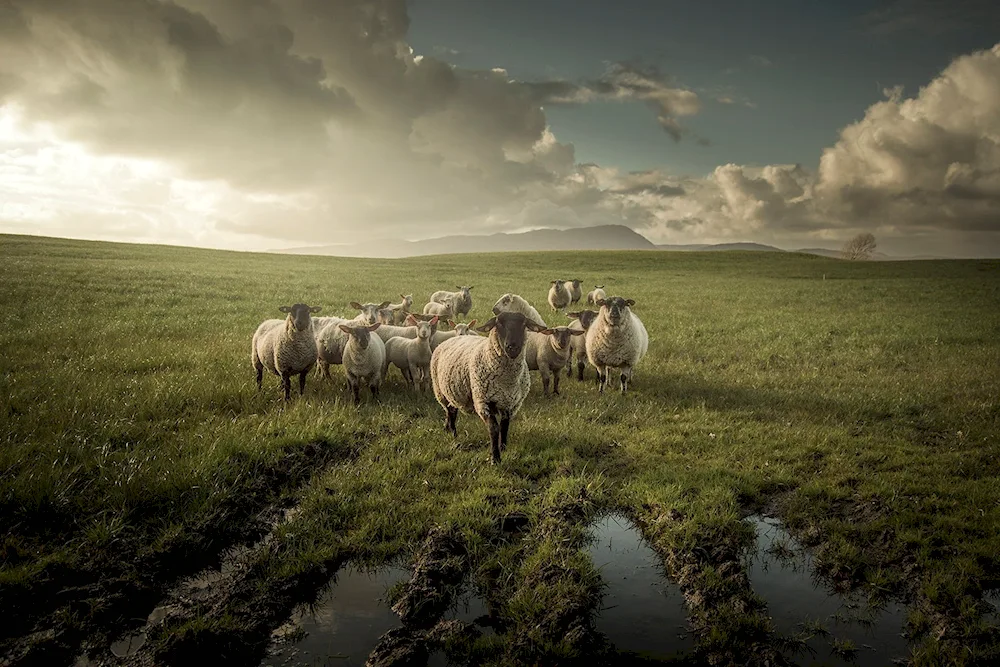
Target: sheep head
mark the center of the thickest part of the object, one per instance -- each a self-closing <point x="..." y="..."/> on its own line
<point x="509" y="331"/>
<point x="300" y="315"/>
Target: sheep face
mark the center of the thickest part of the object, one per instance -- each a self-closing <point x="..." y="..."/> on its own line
<point x="370" y="310"/>
<point x="615" y="309"/>
<point x="576" y="283"/>
<point x="361" y="334"/>
<point x="426" y="329"/>
<point x="586" y="317"/>
<point x="511" y="330"/>
<point x="559" y="284"/>
<point x="465" y="329"/>
<point x="385" y="316"/>
<point x="561" y="336"/>
<point x="464" y="290"/>
<point x="407" y="301"/>
<point x="300" y="315"/>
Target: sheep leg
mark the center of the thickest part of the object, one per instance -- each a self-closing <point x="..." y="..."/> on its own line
<point x="544" y="371"/>
<point x="555" y="383"/>
<point x="491" y="421"/>
<point x="260" y="376"/>
<point x="418" y="377"/>
<point x="626" y="378"/>
<point x="580" y="365"/>
<point x="286" y="385"/>
<point x="374" y="390"/>
<point x="451" y="420"/>
<point x="602" y="378"/>
<point x="504" y="428"/>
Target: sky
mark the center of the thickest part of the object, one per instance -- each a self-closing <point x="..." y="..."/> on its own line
<point x="259" y="124"/>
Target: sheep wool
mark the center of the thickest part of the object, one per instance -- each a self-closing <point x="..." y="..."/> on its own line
<point x="548" y="352"/>
<point x="515" y="303"/>
<point x="462" y="299"/>
<point x="364" y="359"/>
<point x="616" y="339"/>
<point x="487" y="376"/>
<point x="575" y="291"/>
<point x="578" y="344"/>
<point x="286" y="347"/>
<point x="559" y="295"/>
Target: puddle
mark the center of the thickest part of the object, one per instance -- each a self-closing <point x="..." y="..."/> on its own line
<point x="781" y="572"/>
<point x="642" y="612"/>
<point x="344" y="625"/>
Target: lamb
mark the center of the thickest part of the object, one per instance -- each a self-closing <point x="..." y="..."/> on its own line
<point x="462" y="299"/>
<point x="364" y="359"/>
<point x="575" y="292"/>
<point x="442" y="309"/>
<point x="558" y="295"/>
<point x="401" y="310"/>
<point x="370" y="310"/>
<point x="385" y="315"/>
<point x="616" y="339"/>
<point x="578" y="346"/>
<point x="412" y="356"/>
<point x="548" y="351"/>
<point x="387" y="331"/>
<point x="595" y="294"/>
<point x="286" y="347"/>
<point x="458" y="330"/>
<point x="514" y="303"/>
<point x="487" y="376"/>
<point x="330" y="340"/>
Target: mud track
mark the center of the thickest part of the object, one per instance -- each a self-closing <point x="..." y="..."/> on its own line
<point x="48" y="622"/>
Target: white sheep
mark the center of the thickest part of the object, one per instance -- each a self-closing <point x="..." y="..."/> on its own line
<point x="286" y="347"/>
<point x="595" y="294"/>
<point x="575" y="291"/>
<point x="401" y="310"/>
<point x="548" y="351"/>
<point x="459" y="329"/>
<point x="486" y="376"/>
<point x="364" y="359"/>
<point x="462" y="298"/>
<point x="559" y="295"/>
<point x="442" y="309"/>
<point x="387" y="331"/>
<point x="515" y="303"/>
<point x="616" y="339"/>
<point x="330" y="340"/>
<point x="412" y="356"/>
<point x="578" y="346"/>
<point x="385" y="315"/>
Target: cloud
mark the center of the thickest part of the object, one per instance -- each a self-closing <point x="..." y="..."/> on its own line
<point x="930" y="17"/>
<point x="622" y="82"/>
<point x="761" y="61"/>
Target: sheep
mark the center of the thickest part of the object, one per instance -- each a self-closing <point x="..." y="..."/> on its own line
<point x="575" y="292"/>
<point x="385" y="315"/>
<point x="401" y="310"/>
<point x="387" y="331"/>
<point x="330" y="340"/>
<point x="548" y="351"/>
<point x="559" y="295"/>
<point x="514" y="303"/>
<point x="412" y="356"/>
<point x="616" y="339"/>
<point x="595" y="294"/>
<point x="442" y="309"/>
<point x="364" y="359"/>
<point x="459" y="330"/>
<point x="462" y="299"/>
<point x="286" y="347"/>
<point x="370" y="310"/>
<point x="578" y="346"/>
<point x="486" y="376"/>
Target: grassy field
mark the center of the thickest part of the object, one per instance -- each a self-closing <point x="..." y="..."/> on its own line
<point x="859" y="402"/>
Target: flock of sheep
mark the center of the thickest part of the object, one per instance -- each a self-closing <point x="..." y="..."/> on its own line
<point x="485" y="375"/>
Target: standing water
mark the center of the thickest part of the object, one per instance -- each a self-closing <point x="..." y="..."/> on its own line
<point x="841" y="629"/>
<point x="345" y="623"/>
<point x="642" y="612"/>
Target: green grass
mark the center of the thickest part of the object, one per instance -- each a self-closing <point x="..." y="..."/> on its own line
<point x="861" y="400"/>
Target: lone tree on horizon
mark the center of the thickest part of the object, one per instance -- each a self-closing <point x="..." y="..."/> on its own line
<point x="861" y="246"/>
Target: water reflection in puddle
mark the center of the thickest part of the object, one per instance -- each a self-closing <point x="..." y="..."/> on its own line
<point x="345" y="623"/>
<point x="642" y="611"/>
<point x="781" y="573"/>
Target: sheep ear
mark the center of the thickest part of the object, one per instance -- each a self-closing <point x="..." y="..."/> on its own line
<point x="547" y="332"/>
<point x="384" y="304"/>
<point x="576" y="332"/>
<point x="458" y="287"/>
<point x="411" y="319"/>
<point x="355" y="304"/>
<point x="346" y="329"/>
<point x="434" y="321"/>
<point x="534" y="326"/>
<point x="600" y="302"/>
<point x="402" y="296"/>
<point x="471" y="286"/>
<point x="472" y="324"/>
<point x="489" y="326"/>
<point x="630" y="302"/>
<point x="496" y="310"/>
<point x="285" y="309"/>
<point x="373" y="327"/>
<point x="315" y="309"/>
<point x="574" y="316"/>
<point x="451" y="323"/>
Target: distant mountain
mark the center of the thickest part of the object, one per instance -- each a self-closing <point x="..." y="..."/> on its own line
<point x="604" y="237"/>
<point x="705" y="247"/>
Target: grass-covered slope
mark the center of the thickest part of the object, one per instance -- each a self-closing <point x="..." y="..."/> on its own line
<point x="861" y="401"/>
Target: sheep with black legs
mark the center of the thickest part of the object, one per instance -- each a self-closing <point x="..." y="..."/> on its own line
<point x="487" y="376"/>
<point x="616" y="340"/>
<point x="286" y="347"/>
<point x="578" y="346"/>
